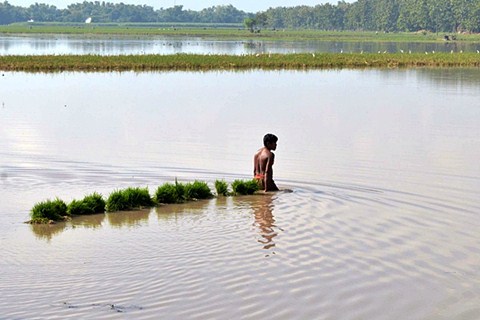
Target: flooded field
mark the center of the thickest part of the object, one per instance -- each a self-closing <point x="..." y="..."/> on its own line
<point x="382" y="222"/>
<point x="118" y="45"/>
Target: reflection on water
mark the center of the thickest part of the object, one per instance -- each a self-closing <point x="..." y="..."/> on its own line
<point x="90" y="221"/>
<point x="264" y="220"/>
<point x="168" y="211"/>
<point x="121" y="45"/>
<point x="383" y="164"/>
<point x="128" y="218"/>
<point x="48" y="231"/>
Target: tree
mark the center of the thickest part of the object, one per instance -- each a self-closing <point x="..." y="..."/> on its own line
<point x="385" y="15"/>
<point x="249" y="23"/>
<point x="10" y="14"/>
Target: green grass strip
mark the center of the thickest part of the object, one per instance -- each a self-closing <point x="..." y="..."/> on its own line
<point x="132" y="198"/>
<point x="224" y="32"/>
<point x="195" y="62"/>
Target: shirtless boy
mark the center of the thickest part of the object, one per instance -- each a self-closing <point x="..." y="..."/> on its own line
<point x="263" y="163"/>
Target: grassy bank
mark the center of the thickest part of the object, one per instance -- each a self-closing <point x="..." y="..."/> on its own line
<point x="194" y="62"/>
<point x="227" y="31"/>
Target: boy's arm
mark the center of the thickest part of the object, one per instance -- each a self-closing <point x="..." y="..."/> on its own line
<point x="269" y="183"/>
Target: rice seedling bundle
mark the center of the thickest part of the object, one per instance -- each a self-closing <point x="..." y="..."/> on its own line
<point x="45" y="211"/>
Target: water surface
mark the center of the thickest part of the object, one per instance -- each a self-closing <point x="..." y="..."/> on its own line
<point x="122" y="45"/>
<point x="382" y="222"/>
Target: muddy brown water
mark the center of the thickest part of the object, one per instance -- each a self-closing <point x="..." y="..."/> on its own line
<point x="382" y="223"/>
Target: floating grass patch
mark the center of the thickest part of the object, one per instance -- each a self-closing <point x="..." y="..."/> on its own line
<point x="170" y="193"/>
<point x="91" y="204"/>
<point x="128" y="199"/>
<point x="197" y="190"/>
<point x="43" y="212"/>
<point x="244" y="187"/>
<point x="221" y="187"/>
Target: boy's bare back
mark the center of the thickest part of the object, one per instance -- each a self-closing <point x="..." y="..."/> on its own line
<point x="263" y="163"/>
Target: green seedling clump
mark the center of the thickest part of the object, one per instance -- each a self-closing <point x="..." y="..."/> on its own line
<point x="128" y="199"/>
<point x="244" y="187"/>
<point x="170" y="193"/>
<point x="139" y="197"/>
<point x="167" y="193"/>
<point x="116" y="201"/>
<point x="133" y="198"/>
<point x="197" y="190"/>
<point x="91" y="204"/>
<point x="221" y="187"/>
<point x="45" y="211"/>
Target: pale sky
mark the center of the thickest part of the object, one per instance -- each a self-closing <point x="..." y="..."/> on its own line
<point x="245" y="5"/>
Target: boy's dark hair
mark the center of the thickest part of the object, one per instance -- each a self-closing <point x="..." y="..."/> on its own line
<point x="269" y="138"/>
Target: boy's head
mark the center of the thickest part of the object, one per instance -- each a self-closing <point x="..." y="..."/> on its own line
<point x="270" y="141"/>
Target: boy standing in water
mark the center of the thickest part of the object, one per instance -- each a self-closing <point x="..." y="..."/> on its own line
<point x="263" y="163"/>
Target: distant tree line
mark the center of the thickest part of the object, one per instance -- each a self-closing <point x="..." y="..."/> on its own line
<point x="379" y="15"/>
<point x="105" y="12"/>
<point x="374" y="15"/>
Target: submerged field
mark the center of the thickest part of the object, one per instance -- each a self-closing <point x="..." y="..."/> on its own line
<point x="227" y="32"/>
<point x="54" y="63"/>
<point x="214" y="61"/>
<point x="382" y="222"/>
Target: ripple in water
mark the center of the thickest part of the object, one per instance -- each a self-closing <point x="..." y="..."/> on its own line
<point x="324" y="251"/>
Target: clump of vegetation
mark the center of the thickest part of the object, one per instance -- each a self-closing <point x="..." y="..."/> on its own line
<point x="245" y="187"/>
<point x="221" y="187"/>
<point x="128" y="199"/>
<point x="197" y="190"/>
<point x="166" y="194"/>
<point x="116" y="201"/>
<point x="178" y="192"/>
<point x="132" y="198"/>
<point x="91" y="204"/>
<point x="170" y="193"/>
<point x="43" y="212"/>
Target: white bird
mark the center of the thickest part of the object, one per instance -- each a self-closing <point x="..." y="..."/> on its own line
<point x="478" y="51"/>
<point x="401" y="50"/>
